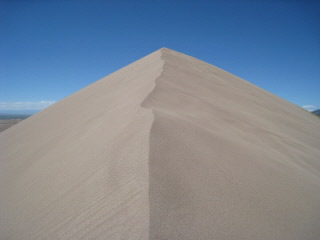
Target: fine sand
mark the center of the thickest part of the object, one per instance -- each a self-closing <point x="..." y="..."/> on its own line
<point x="169" y="147"/>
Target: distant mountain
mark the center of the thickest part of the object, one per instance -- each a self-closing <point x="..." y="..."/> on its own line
<point x="316" y="112"/>
<point x="18" y="112"/>
<point x="14" y="116"/>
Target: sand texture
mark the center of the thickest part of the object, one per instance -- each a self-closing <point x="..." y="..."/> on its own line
<point x="167" y="148"/>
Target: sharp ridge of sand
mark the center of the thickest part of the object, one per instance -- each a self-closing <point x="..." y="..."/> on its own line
<point x="153" y="114"/>
<point x="83" y="122"/>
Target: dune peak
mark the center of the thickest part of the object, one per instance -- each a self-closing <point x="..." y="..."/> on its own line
<point x="168" y="147"/>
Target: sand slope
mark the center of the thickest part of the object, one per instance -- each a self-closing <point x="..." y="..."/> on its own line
<point x="169" y="147"/>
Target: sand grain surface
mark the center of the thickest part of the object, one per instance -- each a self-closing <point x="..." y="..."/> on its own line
<point x="169" y="147"/>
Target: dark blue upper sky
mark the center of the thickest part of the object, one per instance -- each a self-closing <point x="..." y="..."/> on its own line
<point x="52" y="48"/>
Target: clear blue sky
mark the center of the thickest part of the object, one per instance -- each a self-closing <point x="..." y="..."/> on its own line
<point x="52" y="48"/>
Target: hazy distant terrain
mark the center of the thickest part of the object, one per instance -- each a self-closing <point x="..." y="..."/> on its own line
<point x="8" y="120"/>
<point x="316" y="112"/>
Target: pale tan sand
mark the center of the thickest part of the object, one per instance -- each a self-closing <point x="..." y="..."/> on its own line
<point x="169" y="147"/>
<point x="6" y="123"/>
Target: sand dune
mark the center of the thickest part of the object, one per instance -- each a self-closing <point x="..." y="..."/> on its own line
<point x="169" y="147"/>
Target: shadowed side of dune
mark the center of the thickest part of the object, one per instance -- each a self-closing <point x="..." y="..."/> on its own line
<point x="228" y="160"/>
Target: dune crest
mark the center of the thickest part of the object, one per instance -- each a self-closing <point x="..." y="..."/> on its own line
<point x="169" y="147"/>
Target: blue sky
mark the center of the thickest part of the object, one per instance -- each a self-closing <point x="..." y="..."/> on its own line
<point x="53" y="48"/>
